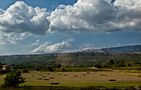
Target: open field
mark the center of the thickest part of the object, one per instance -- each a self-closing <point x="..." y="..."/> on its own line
<point x="100" y="78"/>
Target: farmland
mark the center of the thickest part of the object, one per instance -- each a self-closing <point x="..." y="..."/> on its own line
<point x="109" y="79"/>
<point x="85" y="70"/>
<point x="100" y="78"/>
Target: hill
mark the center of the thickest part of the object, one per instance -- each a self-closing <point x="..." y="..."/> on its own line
<point x="87" y="58"/>
<point x="119" y="50"/>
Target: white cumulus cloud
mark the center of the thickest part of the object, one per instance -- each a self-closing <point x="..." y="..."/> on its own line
<point x="50" y="48"/>
<point x="20" y="17"/>
<point x="130" y="4"/>
<point x="12" y="38"/>
<point x="97" y="15"/>
<point x="88" y="15"/>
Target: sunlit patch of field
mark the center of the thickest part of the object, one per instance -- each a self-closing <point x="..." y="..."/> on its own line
<point x="101" y="78"/>
<point x="136" y="73"/>
<point x="1" y="78"/>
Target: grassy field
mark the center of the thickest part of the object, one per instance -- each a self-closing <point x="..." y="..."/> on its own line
<point x="1" y="78"/>
<point x="100" y="78"/>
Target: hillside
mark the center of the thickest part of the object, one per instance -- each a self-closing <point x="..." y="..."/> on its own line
<point x="119" y="50"/>
<point x="83" y="58"/>
<point x="126" y="49"/>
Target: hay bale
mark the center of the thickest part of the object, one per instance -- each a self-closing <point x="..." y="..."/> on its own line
<point x="112" y="79"/>
<point x="75" y="75"/>
<point x="39" y="78"/>
<point x="51" y="77"/>
<point x="46" y="79"/>
<point x="43" y="76"/>
<point x="59" y="74"/>
<point x="101" y="74"/>
<point x="84" y="75"/>
<point x="65" y="75"/>
<point x="54" y="83"/>
<point x="88" y="73"/>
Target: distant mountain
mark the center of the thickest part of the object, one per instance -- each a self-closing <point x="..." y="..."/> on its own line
<point x="119" y="50"/>
<point x="126" y="49"/>
<point x="82" y="58"/>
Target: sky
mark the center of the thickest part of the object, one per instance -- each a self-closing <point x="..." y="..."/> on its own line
<point x="49" y="26"/>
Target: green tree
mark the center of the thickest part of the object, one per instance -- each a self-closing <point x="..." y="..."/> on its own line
<point x="111" y="62"/>
<point x="25" y="71"/>
<point x="0" y="66"/>
<point x="13" y="79"/>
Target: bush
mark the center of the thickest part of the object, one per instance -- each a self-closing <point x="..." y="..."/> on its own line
<point x="13" y="79"/>
<point x="25" y="71"/>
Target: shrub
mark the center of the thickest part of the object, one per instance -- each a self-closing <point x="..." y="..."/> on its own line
<point x="25" y="71"/>
<point x="13" y="79"/>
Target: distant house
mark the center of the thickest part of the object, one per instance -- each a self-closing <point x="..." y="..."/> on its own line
<point x="5" y="68"/>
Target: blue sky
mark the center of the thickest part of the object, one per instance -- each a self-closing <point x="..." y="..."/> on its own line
<point x="49" y="4"/>
<point x="67" y="25"/>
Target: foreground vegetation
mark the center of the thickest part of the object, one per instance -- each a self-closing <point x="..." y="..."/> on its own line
<point x="76" y="59"/>
<point x="13" y="79"/>
<point x="74" y="88"/>
<point x="96" y="78"/>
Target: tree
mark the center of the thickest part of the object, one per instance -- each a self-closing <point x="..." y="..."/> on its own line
<point x="111" y="62"/>
<point x="13" y="79"/>
<point x="25" y="71"/>
<point x="63" y="69"/>
<point x="0" y="66"/>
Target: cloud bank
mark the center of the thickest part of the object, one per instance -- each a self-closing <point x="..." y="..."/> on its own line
<point x="97" y="15"/>
<point x="12" y="38"/>
<point x="84" y="15"/>
<point x="51" y="48"/>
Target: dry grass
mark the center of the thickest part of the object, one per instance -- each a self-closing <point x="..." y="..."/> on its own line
<point x="78" y="78"/>
<point x="101" y="78"/>
<point x="1" y="78"/>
